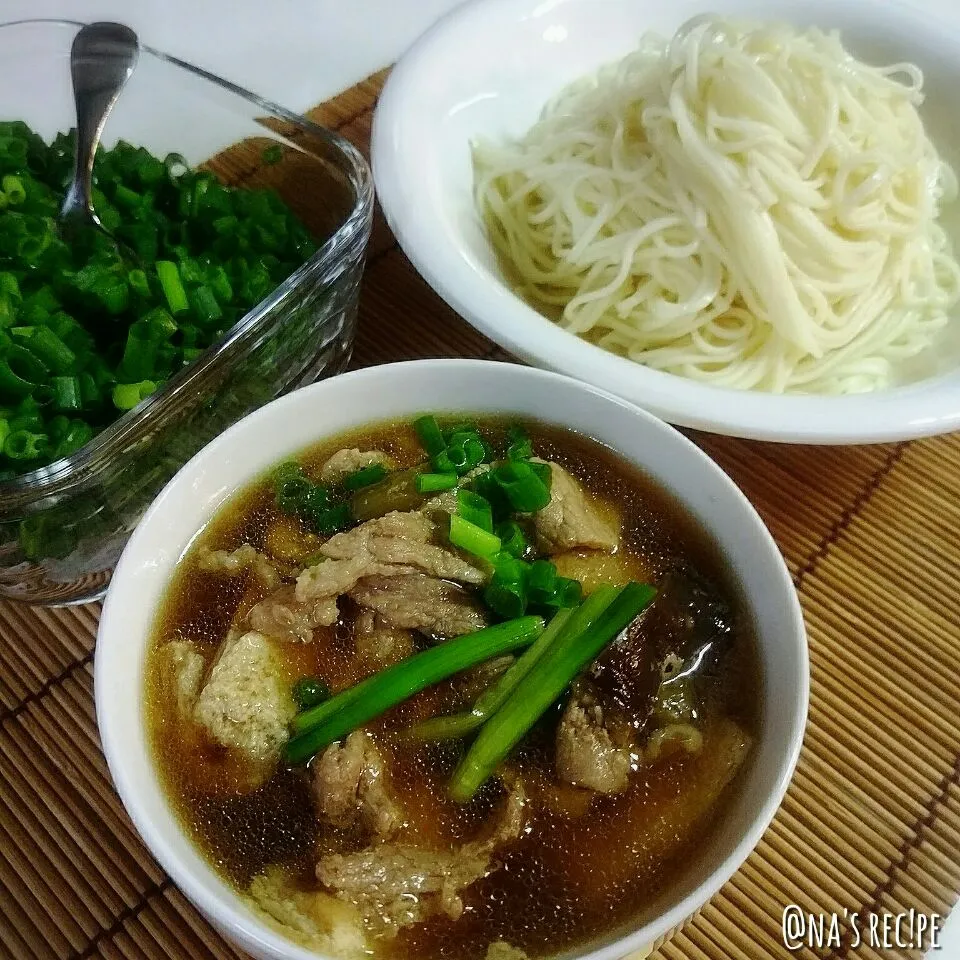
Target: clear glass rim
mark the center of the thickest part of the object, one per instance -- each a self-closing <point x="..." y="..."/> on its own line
<point x="54" y="477"/>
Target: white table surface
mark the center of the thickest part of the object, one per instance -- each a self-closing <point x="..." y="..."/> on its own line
<point x="297" y="53"/>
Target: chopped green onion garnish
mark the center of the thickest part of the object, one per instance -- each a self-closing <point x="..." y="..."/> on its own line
<point x="286" y="469"/>
<point x="365" y="476"/>
<point x="291" y="487"/>
<point x="520" y="450"/>
<point x="516" y="434"/>
<point x="14" y="190"/>
<point x="542" y="470"/>
<point x="10" y="286"/>
<point x="471" y="538"/>
<point x="175" y="165"/>
<point x="431" y="437"/>
<point x="460" y="430"/>
<point x="27" y="419"/>
<point x="11" y="381"/>
<point x="78" y="434"/>
<point x="506" y="598"/>
<point x="486" y="485"/>
<point x="506" y="592"/>
<point x="310" y="692"/>
<point x="334" y="519"/>
<point x="566" y="593"/>
<point x="206" y="310"/>
<point x="442" y="463"/>
<point x="471" y="506"/>
<point x="51" y="350"/>
<point x="321" y="515"/>
<point x="435" y="482"/>
<point x="509" y="568"/>
<point x="169" y="277"/>
<point x="525" y="490"/>
<point x="113" y="294"/>
<point x="66" y="393"/>
<point x="127" y="395"/>
<point x="512" y="539"/>
<point x="220" y="284"/>
<point x="24" y="445"/>
<point x="126" y="197"/>
<point x="159" y="324"/>
<point x="465" y="454"/>
<point x="541" y="581"/>
<point x="137" y="279"/>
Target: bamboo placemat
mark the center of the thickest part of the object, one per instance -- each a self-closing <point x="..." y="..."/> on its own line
<point x="872" y="819"/>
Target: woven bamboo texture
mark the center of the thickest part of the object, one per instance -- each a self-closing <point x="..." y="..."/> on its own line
<point x="871" y="822"/>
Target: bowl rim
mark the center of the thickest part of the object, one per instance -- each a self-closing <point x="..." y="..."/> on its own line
<point x="401" y="125"/>
<point x="240" y="921"/>
<point x="59" y="475"/>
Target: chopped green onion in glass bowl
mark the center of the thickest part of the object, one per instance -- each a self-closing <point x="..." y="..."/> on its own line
<point x="244" y="230"/>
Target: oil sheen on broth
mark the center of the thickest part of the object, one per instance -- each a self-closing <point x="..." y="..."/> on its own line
<point x="587" y="864"/>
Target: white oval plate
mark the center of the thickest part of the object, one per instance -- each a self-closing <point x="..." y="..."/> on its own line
<point x="488" y="68"/>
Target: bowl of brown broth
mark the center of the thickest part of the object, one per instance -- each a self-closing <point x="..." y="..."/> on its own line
<point x="587" y="826"/>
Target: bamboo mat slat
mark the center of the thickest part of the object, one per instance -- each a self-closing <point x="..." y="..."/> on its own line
<point x="872" y="819"/>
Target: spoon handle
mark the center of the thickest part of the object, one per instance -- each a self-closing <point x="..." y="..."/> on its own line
<point x="102" y="58"/>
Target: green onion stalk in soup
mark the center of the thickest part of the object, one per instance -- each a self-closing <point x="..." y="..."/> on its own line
<point x="455" y="687"/>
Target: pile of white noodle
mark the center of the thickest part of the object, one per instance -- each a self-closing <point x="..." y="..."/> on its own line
<point x="746" y="205"/>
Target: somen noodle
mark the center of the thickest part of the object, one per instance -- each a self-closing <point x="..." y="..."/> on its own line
<point x="746" y="205"/>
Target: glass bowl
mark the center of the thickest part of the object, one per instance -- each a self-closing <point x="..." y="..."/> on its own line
<point x="62" y="527"/>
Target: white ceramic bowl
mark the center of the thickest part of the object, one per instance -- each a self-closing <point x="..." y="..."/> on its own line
<point x="298" y="420"/>
<point x="489" y="67"/>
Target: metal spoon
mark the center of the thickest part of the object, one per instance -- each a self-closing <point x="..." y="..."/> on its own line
<point x="102" y="58"/>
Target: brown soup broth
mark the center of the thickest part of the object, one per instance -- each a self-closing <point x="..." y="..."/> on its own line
<point x="569" y="879"/>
